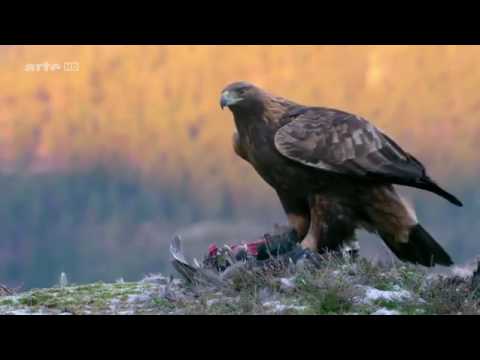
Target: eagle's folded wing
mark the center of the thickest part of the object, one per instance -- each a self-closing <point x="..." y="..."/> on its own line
<point x="339" y="142"/>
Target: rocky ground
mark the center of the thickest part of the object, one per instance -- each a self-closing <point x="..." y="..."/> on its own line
<point x="334" y="286"/>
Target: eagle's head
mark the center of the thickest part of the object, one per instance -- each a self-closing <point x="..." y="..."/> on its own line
<point x="240" y="95"/>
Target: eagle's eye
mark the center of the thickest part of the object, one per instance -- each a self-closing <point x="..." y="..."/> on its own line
<point x="242" y="91"/>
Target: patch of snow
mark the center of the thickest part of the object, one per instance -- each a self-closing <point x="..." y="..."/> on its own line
<point x="265" y="295"/>
<point x="23" y="312"/>
<point x="138" y="298"/>
<point x="211" y="302"/>
<point x="385" y="311"/>
<point x="462" y="271"/>
<point x="298" y="307"/>
<point x="372" y="294"/>
<point x="277" y="306"/>
<point x="287" y="283"/>
<point x="126" y="312"/>
<point x="113" y="304"/>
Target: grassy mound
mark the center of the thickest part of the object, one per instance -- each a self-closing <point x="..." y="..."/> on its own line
<point x="336" y="286"/>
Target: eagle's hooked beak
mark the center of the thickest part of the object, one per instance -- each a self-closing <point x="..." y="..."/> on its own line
<point x="228" y="98"/>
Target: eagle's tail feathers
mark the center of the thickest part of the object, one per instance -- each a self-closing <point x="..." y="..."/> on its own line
<point x="421" y="248"/>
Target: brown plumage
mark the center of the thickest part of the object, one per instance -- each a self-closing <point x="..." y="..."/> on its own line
<point x="333" y="172"/>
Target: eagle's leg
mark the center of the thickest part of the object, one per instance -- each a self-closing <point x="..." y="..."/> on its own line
<point x="331" y="225"/>
<point x="317" y="230"/>
<point x="298" y="213"/>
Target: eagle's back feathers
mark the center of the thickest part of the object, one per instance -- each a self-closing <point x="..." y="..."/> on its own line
<point x="337" y="141"/>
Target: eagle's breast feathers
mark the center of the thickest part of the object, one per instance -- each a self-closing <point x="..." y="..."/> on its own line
<point x="238" y="147"/>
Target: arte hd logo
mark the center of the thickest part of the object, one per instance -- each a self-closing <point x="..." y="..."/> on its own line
<point x="67" y="66"/>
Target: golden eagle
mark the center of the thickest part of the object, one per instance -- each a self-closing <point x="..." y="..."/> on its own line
<point x="333" y="172"/>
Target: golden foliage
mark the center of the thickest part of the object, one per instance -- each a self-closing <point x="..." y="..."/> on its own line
<point x="156" y="108"/>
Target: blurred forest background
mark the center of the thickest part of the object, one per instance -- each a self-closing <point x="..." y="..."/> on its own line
<point x="100" y="167"/>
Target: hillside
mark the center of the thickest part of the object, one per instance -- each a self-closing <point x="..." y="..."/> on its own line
<point x="335" y="286"/>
